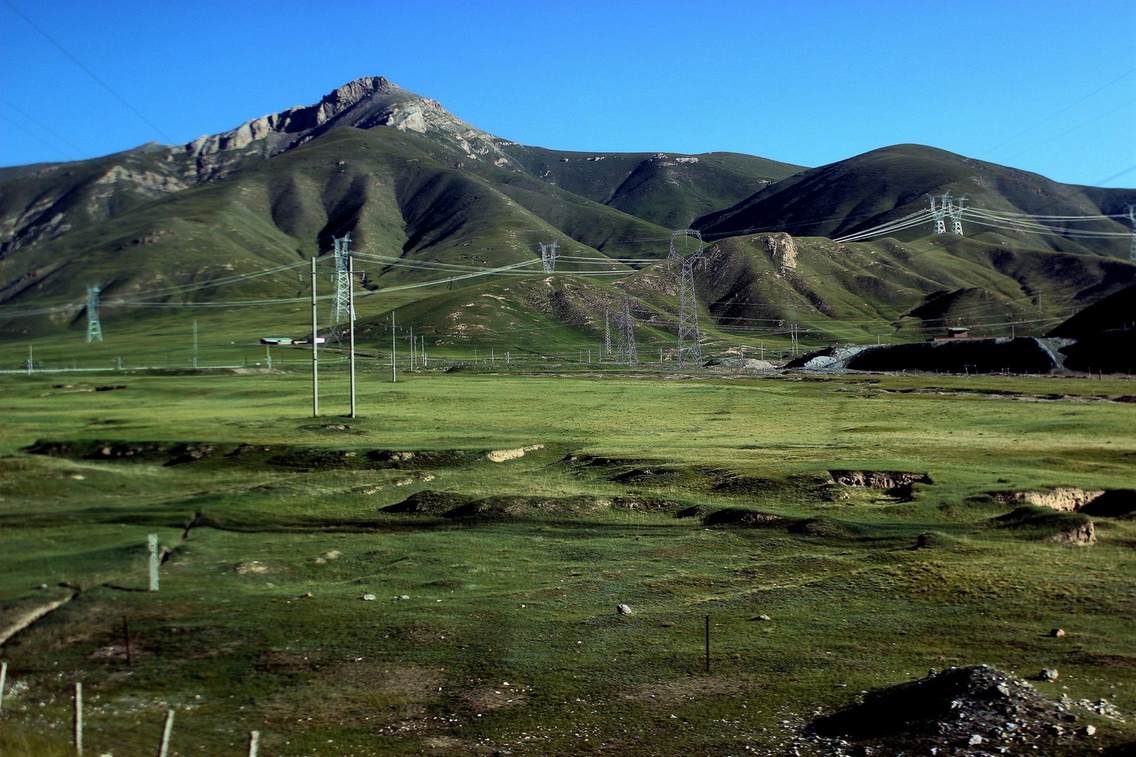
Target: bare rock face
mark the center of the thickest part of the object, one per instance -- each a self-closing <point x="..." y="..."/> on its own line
<point x="1081" y="535"/>
<point x="365" y="103"/>
<point x="782" y="250"/>
<point x="1062" y="498"/>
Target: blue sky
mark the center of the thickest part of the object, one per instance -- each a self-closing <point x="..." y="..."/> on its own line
<point x="1045" y="86"/>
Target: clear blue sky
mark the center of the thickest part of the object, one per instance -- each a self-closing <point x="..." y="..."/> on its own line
<point x="1048" y="86"/>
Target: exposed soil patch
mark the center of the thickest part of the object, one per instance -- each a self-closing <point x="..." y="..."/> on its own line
<point x="736" y="516"/>
<point x="898" y="484"/>
<point x="1113" y="503"/>
<point x="961" y="711"/>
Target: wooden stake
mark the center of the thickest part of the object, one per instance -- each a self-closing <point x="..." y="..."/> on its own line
<point x="78" y="718"/>
<point x="254" y="743"/>
<point x="164" y="749"/>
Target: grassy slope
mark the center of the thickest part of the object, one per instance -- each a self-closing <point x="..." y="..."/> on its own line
<point x="865" y="190"/>
<point x="654" y="186"/>
<point x="530" y="602"/>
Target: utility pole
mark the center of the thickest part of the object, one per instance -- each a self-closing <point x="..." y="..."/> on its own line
<point x="412" y="348"/>
<point x="94" y="327"/>
<point x="394" y="349"/>
<point x="315" y="348"/>
<point x="194" y="361"/>
<point x="351" y="325"/>
<point x="422" y="351"/>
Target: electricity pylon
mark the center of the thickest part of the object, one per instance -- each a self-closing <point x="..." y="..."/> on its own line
<point x="548" y="253"/>
<point x="955" y="212"/>
<point x="625" y="344"/>
<point x="689" y="335"/>
<point x="607" y="333"/>
<point x="94" y="328"/>
<point x="341" y="308"/>
<point x="938" y="214"/>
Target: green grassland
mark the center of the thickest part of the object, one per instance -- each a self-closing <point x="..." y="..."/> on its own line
<point x="508" y="639"/>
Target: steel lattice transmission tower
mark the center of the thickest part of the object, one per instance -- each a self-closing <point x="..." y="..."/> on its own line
<point x="548" y="253"/>
<point x="1132" y="247"/>
<point x="955" y="212"/>
<point x="938" y="214"/>
<point x="341" y="307"/>
<point x="689" y="335"/>
<point x="625" y="335"/>
<point x="94" y="327"/>
<point x="607" y="333"/>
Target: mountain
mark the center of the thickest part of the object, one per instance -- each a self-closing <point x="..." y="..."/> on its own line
<point x="883" y="185"/>
<point x="231" y="218"/>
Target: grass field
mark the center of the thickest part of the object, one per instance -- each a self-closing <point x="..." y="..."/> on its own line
<point x="498" y="631"/>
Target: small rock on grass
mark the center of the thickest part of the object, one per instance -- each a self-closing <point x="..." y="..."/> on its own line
<point x="368" y="597"/>
<point x="1048" y="674"/>
<point x="763" y="618"/>
<point x="1057" y="633"/>
<point x="623" y="609"/>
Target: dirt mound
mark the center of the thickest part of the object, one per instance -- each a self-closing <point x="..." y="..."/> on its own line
<point x="1064" y="498"/>
<point x="819" y="527"/>
<point x="736" y="516"/>
<point x="428" y="502"/>
<point x="898" y="484"/>
<point x="960" y="711"/>
<point x="1043" y="523"/>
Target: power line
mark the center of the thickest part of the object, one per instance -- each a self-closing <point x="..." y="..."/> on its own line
<point x="89" y="72"/>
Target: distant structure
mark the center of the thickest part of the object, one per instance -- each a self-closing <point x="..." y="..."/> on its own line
<point x="94" y="327"/>
<point x="625" y="344"/>
<point x="548" y="253"/>
<point x="944" y="206"/>
<point x="689" y="336"/>
<point x="607" y="333"/>
<point x="341" y="308"/>
<point x="1132" y="246"/>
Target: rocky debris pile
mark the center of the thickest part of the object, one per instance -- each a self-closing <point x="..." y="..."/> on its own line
<point x="976" y="710"/>
<point x="835" y="357"/>
<point x="1067" y="498"/>
<point x="898" y="484"/>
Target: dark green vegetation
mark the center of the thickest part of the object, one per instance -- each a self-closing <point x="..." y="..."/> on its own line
<point x="508" y="637"/>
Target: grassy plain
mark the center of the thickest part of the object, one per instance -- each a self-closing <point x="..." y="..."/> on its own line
<point x="507" y="638"/>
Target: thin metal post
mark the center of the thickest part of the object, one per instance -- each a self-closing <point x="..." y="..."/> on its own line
<point x="315" y="348"/>
<point x="3" y="679"/>
<point x="194" y="360"/>
<point x="164" y="749"/>
<point x="31" y="359"/>
<point x="77" y="719"/>
<point x="152" y="543"/>
<point x="254" y="743"/>
<point x="351" y="327"/>
<point x="412" y="350"/>
<point x="394" y="350"/>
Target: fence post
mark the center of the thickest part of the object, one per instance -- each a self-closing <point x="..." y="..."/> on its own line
<point x="254" y="743"/>
<point x="164" y="749"/>
<point x="707" y="643"/>
<point x="78" y="718"/>
<point x="3" y="678"/>
<point x="152" y="541"/>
